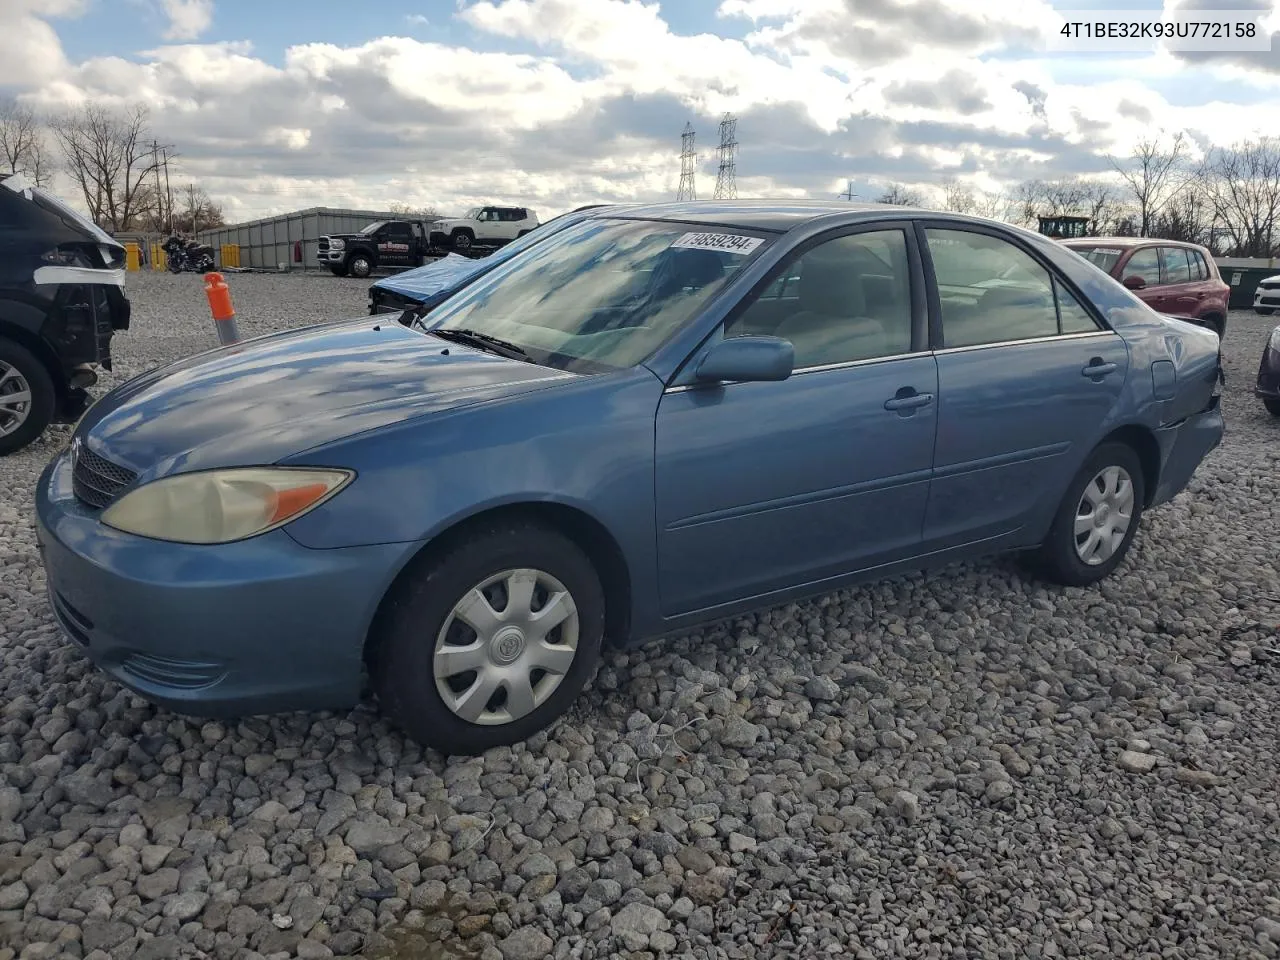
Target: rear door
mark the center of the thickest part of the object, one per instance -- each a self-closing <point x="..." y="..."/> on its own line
<point x="1027" y="375"/>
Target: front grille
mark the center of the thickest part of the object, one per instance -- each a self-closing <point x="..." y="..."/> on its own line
<point x="324" y="245"/>
<point x="95" y="480"/>
<point x="1271" y="301"/>
<point x="74" y="623"/>
<point x="168" y="672"/>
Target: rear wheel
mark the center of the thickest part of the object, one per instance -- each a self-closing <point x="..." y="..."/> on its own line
<point x="27" y="397"/>
<point x="491" y="641"/>
<point x="1217" y="324"/>
<point x="1096" y="520"/>
<point x="1273" y="405"/>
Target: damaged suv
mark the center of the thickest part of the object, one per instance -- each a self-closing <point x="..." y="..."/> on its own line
<point x="61" y="300"/>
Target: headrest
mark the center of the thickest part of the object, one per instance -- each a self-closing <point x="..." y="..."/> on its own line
<point x="831" y="285"/>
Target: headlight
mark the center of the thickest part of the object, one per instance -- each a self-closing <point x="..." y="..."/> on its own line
<point x="337" y="244"/>
<point x="219" y="506"/>
<point x="1274" y="342"/>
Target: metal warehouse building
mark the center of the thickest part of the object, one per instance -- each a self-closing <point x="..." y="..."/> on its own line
<point x="288" y="241"/>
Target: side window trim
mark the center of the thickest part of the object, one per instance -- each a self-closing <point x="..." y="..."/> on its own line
<point x="936" y="343"/>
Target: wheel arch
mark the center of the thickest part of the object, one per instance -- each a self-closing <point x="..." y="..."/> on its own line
<point x="42" y="351"/>
<point x="585" y="531"/>
<point x="1143" y="442"/>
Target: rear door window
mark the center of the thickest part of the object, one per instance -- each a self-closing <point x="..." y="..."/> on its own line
<point x="1176" y="267"/>
<point x="1144" y="263"/>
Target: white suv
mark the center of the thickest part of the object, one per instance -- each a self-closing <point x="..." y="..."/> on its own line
<point x="483" y="227"/>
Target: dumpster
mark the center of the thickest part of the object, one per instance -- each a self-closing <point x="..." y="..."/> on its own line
<point x="1243" y="276"/>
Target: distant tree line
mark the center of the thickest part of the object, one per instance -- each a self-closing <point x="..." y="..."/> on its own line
<point x="1227" y="200"/>
<point x="113" y="162"/>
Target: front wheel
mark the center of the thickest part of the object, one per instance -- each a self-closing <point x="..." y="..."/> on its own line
<point x="1097" y="519"/>
<point x="491" y="641"/>
<point x="461" y="240"/>
<point x="338" y="270"/>
<point x="360" y="266"/>
<point x="27" y="397"/>
<point x="1273" y="405"/>
<point x="174" y="266"/>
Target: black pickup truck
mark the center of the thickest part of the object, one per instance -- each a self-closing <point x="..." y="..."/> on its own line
<point x="384" y="243"/>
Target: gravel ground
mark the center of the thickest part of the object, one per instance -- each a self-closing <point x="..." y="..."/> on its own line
<point x="964" y="764"/>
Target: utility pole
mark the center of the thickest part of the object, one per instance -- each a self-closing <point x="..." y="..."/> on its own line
<point x="167" y="189"/>
<point x="848" y="192"/>
<point x="726" y="177"/>
<point x="155" y="167"/>
<point x="688" y="166"/>
<point x="191" y="206"/>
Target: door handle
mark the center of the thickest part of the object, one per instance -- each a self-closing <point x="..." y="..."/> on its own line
<point x="908" y="401"/>
<point x="1098" y="369"/>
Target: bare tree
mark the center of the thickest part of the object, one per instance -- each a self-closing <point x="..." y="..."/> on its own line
<point x="993" y="206"/>
<point x="1152" y="174"/>
<point x="956" y="197"/>
<point x="197" y="210"/>
<point x="108" y="156"/>
<point x="1187" y="216"/>
<point x="900" y="195"/>
<point x="1067" y="197"/>
<point x="1242" y="183"/>
<point x="401" y="209"/>
<point x="22" y="143"/>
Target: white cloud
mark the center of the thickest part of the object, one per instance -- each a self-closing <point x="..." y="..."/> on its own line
<point x="417" y="20"/>
<point x="187" y="18"/>
<point x="592" y="105"/>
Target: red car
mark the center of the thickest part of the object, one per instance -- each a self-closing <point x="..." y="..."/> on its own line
<point x="1169" y="276"/>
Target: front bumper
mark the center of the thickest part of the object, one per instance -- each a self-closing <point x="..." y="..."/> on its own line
<point x="331" y="256"/>
<point x="1267" y="298"/>
<point x="260" y="626"/>
<point x="1268" y="384"/>
<point x="1185" y="446"/>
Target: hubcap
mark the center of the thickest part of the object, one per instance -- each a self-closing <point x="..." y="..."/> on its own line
<point x="1103" y="515"/>
<point x="506" y="646"/>
<point x="15" y="399"/>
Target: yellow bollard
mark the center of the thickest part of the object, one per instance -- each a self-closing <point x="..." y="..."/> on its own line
<point x="230" y="255"/>
<point x="132" y="256"/>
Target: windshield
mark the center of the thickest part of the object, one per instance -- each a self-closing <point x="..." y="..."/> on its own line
<point x="373" y="228"/>
<point x="472" y="213"/>
<point x="1104" y="257"/>
<point x="600" y="294"/>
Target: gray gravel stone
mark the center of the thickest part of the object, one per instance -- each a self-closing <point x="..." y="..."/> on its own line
<point x="1135" y="762"/>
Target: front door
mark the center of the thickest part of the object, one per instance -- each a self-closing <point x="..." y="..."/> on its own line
<point x="1026" y="377"/>
<point x="765" y="486"/>
<point x="395" y="245"/>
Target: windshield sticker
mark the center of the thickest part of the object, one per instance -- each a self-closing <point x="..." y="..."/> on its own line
<point x="719" y="242"/>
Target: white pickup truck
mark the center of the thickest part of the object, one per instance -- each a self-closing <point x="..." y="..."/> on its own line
<point x="490" y="226"/>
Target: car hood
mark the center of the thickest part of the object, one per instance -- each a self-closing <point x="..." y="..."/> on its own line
<point x="271" y="398"/>
<point x="433" y="278"/>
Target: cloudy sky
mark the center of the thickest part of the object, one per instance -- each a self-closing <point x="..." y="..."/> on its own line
<point x="276" y="106"/>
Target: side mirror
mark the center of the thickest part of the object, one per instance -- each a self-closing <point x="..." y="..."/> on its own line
<point x="1134" y="282"/>
<point x="748" y="359"/>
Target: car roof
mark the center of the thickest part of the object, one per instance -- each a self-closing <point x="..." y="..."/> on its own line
<point x="1127" y="242"/>
<point x="776" y="216"/>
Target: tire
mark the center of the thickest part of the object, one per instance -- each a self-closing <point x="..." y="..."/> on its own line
<point x="21" y="372"/>
<point x="359" y="265"/>
<point x="421" y="619"/>
<point x="338" y="271"/>
<point x="1217" y="324"/>
<point x="522" y="233"/>
<point x="1059" y="559"/>
<point x="174" y="266"/>
<point x="1264" y="311"/>
<point x="461" y="240"/>
<point x="1273" y="405"/>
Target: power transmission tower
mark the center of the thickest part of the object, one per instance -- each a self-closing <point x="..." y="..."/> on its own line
<point x="688" y="166"/>
<point x="727" y="176"/>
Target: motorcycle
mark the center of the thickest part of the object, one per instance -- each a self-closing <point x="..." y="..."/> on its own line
<point x="188" y="255"/>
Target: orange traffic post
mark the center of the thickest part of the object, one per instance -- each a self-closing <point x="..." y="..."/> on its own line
<point x="224" y="315"/>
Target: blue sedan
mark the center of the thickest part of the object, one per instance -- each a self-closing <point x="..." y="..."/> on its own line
<point x="651" y="419"/>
